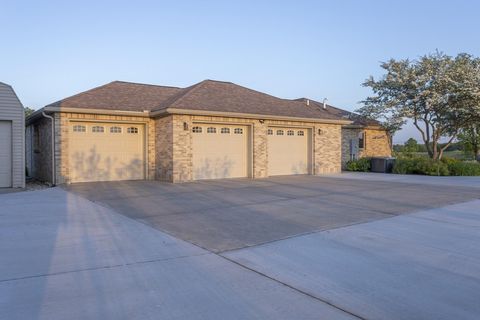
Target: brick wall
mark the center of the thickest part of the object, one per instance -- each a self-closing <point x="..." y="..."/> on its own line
<point x="41" y="150"/>
<point x="174" y="145"/>
<point x="377" y="143"/>
<point x="169" y="145"/>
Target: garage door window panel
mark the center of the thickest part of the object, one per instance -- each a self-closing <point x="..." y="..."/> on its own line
<point x="197" y="129"/>
<point x="132" y="130"/>
<point x="98" y="129"/>
<point x="225" y="130"/>
<point x="211" y="130"/>
<point x="238" y="131"/>
<point x="79" y="128"/>
<point x="115" y="130"/>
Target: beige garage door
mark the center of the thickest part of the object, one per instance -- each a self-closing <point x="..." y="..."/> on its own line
<point x="288" y="151"/>
<point x="106" y="151"/>
<point x="5" y="154"/>
<point x="220" y="151"/>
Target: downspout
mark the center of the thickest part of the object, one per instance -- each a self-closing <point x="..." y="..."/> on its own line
<point x="53" y="145"/>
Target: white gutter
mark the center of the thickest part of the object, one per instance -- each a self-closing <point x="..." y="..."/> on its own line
<point x="168" y="111"/>
<point x="144" y="113"/>
<point x="53" y="145"/>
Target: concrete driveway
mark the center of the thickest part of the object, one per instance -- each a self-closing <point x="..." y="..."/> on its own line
<point x="280" y="248"/>
<point x="231" y="214"/>
<point x="64" y="257"/>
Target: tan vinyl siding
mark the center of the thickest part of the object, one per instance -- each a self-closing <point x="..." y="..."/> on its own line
<point x="11" y="109"/>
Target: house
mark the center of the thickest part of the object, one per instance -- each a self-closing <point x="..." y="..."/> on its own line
<point x="210" y="130"/>
<point x="12" y="139"/>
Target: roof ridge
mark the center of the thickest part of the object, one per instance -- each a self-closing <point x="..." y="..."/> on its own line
<point x="180" y="95"/>
<point x="145" y="84"/>
<point x="252" y="90"/>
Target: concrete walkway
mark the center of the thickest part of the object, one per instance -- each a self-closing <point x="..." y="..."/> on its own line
<point x="424" y="265"/>
<point x="64" y="257"/>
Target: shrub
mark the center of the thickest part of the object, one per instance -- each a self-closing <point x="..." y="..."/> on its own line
<point x="464" y="168"/>
<point x="404" y="166"/>
<point x="420" y="166"/>
<point x="362" y="164"/>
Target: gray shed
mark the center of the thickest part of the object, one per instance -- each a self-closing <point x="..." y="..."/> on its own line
<point x="12" y="139"/>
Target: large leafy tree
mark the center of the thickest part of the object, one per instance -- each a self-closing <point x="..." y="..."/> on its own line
<point x="438" y="93"/>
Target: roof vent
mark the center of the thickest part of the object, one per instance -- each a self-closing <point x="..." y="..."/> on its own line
<point x="325" y="103"/>
<point x="307" y="102"/>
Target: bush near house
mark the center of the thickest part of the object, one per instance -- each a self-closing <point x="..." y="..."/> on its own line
<point x="362" y="165"/>
<point x="464" y="168"/>
<point x="443" y="167"/>
<point x="423" y="165"/>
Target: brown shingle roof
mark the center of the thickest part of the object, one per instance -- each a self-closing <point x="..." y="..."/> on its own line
<point x="119" y="95"/>
<point x="208" y="95"/>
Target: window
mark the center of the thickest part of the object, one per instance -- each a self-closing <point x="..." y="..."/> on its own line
<point x="238" y="131"/>
<point x="211" y="130"/>
<point x="132" y="130"/>
<point x="79" y="128"/>
<point x="279" y="132"/>
<point x="290" y="133"/>
<point x="300" y="133"/>
<point x="361" y="140"/>
<point x="197" y="129"/>
<point x="115" y="130"/>
<point x="98" y="129"/>
<point x="225" y="130"/>
<point x="270" y="132"/>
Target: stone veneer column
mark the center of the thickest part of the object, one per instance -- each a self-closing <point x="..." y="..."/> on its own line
<point x="182" y="148"/>
<point x="164" y="148"/>
<point x="327" y="148"/>
<point x="260" y="150"/>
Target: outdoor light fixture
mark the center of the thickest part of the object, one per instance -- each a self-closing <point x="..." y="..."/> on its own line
<point x="185" y="126"/>
<point x="320" y="132"/>
<point x="261" y="121"/>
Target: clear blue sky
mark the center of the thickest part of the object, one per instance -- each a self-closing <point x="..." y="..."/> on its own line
<point x="53" y="49"/>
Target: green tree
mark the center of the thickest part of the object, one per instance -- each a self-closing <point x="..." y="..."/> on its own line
<point x="410" y="146"/>
<point x="28" y="111"/>
<point x="438" y="93"/>
<point x="470" y="138"/>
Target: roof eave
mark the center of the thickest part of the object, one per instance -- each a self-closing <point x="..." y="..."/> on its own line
<point x="170" y="111"/>
<point x="361" y="126"/>
<point x="144" y="113"/>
